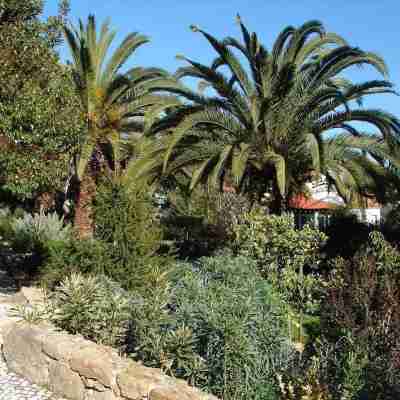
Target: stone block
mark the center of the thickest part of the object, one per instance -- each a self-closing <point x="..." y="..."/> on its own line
<point x="169" y="393"/>
<point x="137" y="381"/>
<point x="95" y="362"/>
<point x="65" y="382"/>
<point x="92" y="394"/>
<point x="22" y="350"/>
<point x="60" y="346"/>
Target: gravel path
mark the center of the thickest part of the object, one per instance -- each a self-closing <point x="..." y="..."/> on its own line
<point x="12" y="386"/>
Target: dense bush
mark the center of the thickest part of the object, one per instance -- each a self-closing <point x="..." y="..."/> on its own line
<point x="363" y="303"/>
<point x="222" y="328"/>
<point x="287" y="257"/>
<point x="200" y="222"/>
<point x="35" y="232"/>
<point x="126" y="247"/>
<point x="6" y="220"/>
<point x="217" y="323"/>
<point x="93" y="306"/>
<point x="346" y="234"/>
<point x="26" y="232"/>
<point x="391" y="225"/>
<point x="127" y="224"/>
<point x="240" y="323"/>
<point x="83" y="256"/>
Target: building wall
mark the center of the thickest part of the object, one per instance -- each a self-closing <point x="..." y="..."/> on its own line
<point x="369" y="215"/>
<point x="319" y="191"/>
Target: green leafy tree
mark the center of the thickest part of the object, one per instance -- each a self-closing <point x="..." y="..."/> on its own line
<point x="113" y="103"/>
<point x="40" y="116"/>
<point x="264" y="125"/>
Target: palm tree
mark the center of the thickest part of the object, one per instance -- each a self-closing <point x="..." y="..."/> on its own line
<point x="353" y="165"/>
<point x="265" y="124"/>
<point x="113" y="102"/>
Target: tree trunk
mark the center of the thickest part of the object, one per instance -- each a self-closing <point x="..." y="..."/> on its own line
<point x="279" y="203"/>
<point x="83" y="218"/>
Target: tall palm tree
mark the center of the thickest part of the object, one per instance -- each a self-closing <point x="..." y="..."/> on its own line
<point x="267" y="122"/>
<point x="113" y="102"/>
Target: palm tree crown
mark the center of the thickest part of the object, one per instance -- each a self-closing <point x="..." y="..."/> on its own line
<point x="113" y="102"/>
<point x="269" y="122"/>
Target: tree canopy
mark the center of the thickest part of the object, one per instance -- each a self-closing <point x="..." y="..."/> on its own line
<point x="263" y="118"/>
<point x="40" y="112"/>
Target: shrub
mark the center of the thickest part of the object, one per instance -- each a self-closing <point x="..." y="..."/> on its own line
<point x="34" y="232"/>
<point x="391" y="225"/>
<point x="201" y="221"/>
<point x="128" y="220"/>
<point x="126" y="247"/>
<point x="363" y="306"/>
<point x="93" y="306"/>
<point x="221" y="327"/>
<point x="346" y="234"/>
<point x="216" y="323"/>
<point x="79" y="256"/>
<point x="287" y="257"/>
<point x="239" y="323"/>
<point x="6" y="223"/>
<point x="127" y="225"/>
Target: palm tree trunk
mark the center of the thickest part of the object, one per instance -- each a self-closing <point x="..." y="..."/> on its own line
<point x="83" y="218"/>
<point x="279" y="203"/>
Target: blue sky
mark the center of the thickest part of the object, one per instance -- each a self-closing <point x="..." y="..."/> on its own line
<point x="372" y="25"/>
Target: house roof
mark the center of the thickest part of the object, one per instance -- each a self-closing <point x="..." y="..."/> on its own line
<point x="301" y="202"/>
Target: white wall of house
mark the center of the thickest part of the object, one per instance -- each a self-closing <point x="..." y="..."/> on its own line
<point x="319" y="191"/>
<point x="368" y="215"/>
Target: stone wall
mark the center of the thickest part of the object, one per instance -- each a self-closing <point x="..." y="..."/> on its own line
<point x="78" y="369"/>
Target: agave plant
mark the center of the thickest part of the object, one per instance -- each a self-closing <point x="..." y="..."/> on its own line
<point x="113" y="103"/>
<point x="40" y="228"/>
<point x="267" y="124"/>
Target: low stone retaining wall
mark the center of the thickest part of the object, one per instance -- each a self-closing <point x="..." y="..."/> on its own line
<point x="78" y="369"/>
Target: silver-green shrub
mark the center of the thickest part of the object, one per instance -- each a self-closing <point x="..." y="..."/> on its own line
<point x="221" y="326"/>
<point x="93" y="306"/>
<point x="31" y="231"/>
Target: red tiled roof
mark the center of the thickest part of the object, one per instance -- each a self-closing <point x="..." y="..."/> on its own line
<point x="304" y="203"/>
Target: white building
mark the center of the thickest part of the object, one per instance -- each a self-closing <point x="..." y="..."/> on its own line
<point x="317" y="208"/>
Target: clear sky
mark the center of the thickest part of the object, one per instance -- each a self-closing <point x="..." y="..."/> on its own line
<point x="372" y="25"/>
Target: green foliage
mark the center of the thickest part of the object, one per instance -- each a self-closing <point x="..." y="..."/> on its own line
<point x="222" y="328"/>
<point x="29" y="314"/>
<point x="283" y="254"/>
<point x="266" y="116"/>
<point x="127" y="244"/>
<point x="360" y="323"/>
<point x="75" y="256"/>
<point x="346" y="234"/>
<point x="127" y="223"/>
<point x="240" y="324"/>
<point x="109" y="97"/>
<point x="200" y="221"/>
<point x="6" y="222"/>
<point x="93" y="306"/>
<point x="41" y="120"/>
<point x="392" y="224"/>
<point x="36" y="232"/>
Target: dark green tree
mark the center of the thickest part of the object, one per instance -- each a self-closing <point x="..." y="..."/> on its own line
<point x="39" y="124"/>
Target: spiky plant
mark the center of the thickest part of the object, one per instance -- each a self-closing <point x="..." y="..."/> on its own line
<point x="267" y="123"/>
<point x="114" y="103"/>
